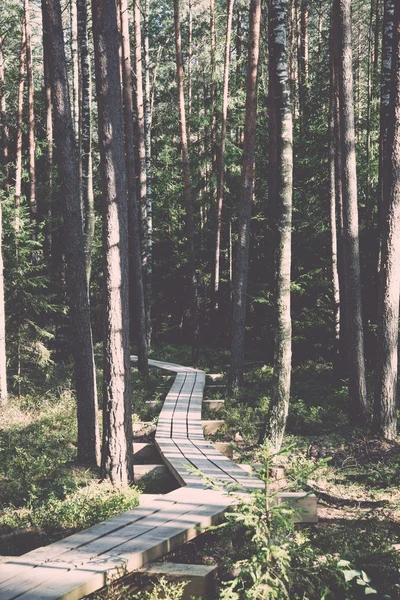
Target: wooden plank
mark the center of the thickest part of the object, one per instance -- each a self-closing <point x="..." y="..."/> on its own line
<point x="211" y="427"/>
<point x="200" y="579"/>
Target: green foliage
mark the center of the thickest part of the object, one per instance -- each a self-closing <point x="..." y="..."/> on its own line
<point x="164" y="589"/>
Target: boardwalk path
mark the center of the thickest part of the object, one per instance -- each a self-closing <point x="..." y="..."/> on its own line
<point x="84" y="562"/>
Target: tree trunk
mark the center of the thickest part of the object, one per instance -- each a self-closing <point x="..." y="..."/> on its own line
<point x="31" y="120"/>
<point x="281" y="112"/>
<point x="303" y="63"/>
<point x="18" y="151"/>
<point x="385" y="414"/>
<point x="5" y="184"/>
<point x="235" y="379"/>
<point x="79" y="310"/>
<point x="117" y="452"/>
<point x="140" y="144"/>
<point x="134" y="223"/>
<point x="355" y="336"/>
<point x="333" y="219"/>
<point x="85" y="128"/>
<point x="213" y="94"/>
<point x="221" y="160"/>
<point x="49" y="150"/>
<point x="149" y="207"/>
<point x="187" y="193"/>
<point x="75" y="68"/>
<point x="377" y="32"/>
<point x="4" y="136"/>
<point x="384" y="137"/>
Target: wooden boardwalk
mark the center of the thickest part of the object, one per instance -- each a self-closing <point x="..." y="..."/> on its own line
<point x="83" y="563"/>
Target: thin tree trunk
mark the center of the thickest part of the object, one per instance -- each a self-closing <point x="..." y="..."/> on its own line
<point x="18" y="151"/>
<point x="221" y="161"/>
<point x="187" y="193"/>
<point x="79" y="310"/>
<point x="4" y="136"/>
<point x="385" y="414"/>
<point x="117" y="455"/>
<point x="355" y="335"/>
<point x="75" y="67"/>
<point x="384" y="137"/>
<point x="281" y="112"/>
<point x="213" y="94"/>
<point x="189" y="68"/>
<point x="303" y="63"/>
<point x="377" y="32"/>
<point x="235" y="379"/>
<point x="333" y="218"/>
<point x="134" y="223"/>
<point x="31" y="120"/>
<point x="49" y="149"/>
<point x="149" y="207"/>
<point x="4" y="162"/>
<point x="85" y="129"/>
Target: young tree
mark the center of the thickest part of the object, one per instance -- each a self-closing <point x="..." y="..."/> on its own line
<point x="31" y="118"/>
<point x="18" y="150"/>
<point x="79" y="314"/>
<point x="117" y="454"/>
<point x="187" y="194"/>
<point x="221" y="160"/>
<point x="85" y="141"/>
<point x="385" y="409"/>
<point x="351" y="253"/>
<point x="147" y="132"/>
<point x="134" y="223"/>
<point x="4" y="163"/>
<point x="235" y="378"/>
<point x="280" y="196"/>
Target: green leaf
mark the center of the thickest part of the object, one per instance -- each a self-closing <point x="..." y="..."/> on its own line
<point x="343" y="563"/>
<point x="369" y="590"/>
<point x="351" y="574"/>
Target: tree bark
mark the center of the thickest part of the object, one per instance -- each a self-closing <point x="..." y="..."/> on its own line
<point x="49" y="150"/>
<point x="187" y="194"/>
<point x="235" y="378"/>
<point x="18" y="150"/>
<point x="75" y="68"/>
<point x="117" y="454"/>
<point x="79" y="310"/>
<point x="149" y="207"/>
<point x="85" y="129"/>
<point x="281" y="197"/>
<point x="5" y="184"/>
<point x="141" y="147"/>
<point x="4" y="136"/>
<point x="221" y="160"/>
<point x="213" y="94"/>
<point x="303" y="63"/>
<point x="385" y="414"/>
<point x="384" y="137"/>
<point x="134" y="223"/>
<point x="351" y="254"/>
<point x="31" y="120"/>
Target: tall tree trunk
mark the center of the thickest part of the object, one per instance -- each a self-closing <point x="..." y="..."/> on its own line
<point x="377" y="32"/>
<point x="79" y="310"/>
<point x="149" y="207"/>
<point x="303" y="62"/>
<point x="117" y="455"/>
<point x="4" y="162"/>
<point x="85" y="128"/>
<point x="333" y="215"/>
<point x="75" y="67"/>
<point x="49" y="149"/>
<point x="235" y="379"/>
<point x="213" y="94"/>
<point x="134" y="222"/>
<point x="18" y="151"/>
<point x="141" y="155"/>
<point x="385" y="414"/>
<point x="31" y="120"/>
<point x="384" y="137"/>
<point x="281" y="112"/>
<point x="221" y="161"/>
<point x="187" y="193"/>
<point x="4" y="134"/>
<point x="355" y="335"/>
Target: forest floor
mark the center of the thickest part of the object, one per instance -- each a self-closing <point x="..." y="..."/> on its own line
<point x="44" y="495"/>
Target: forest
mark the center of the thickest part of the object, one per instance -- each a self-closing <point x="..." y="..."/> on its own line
<point x="213" y="184"/>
